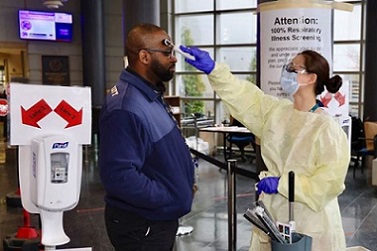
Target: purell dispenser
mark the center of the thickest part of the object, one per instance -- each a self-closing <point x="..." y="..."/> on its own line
<point x="55" y="183"/>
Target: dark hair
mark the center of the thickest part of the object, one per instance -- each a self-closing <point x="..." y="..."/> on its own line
<point x="316" y="63"/>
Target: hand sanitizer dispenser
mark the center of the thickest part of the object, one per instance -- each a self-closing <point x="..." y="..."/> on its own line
<point x="55" y="182"/>
<point x="55" y="174"/>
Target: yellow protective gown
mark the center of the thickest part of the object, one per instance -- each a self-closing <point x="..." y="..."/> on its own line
<point x="313" y="145"/>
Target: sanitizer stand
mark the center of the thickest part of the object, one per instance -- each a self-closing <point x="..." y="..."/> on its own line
<point x="50" y="124"/>
<point x="55" y="183"/>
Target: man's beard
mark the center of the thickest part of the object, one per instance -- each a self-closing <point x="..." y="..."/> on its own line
<point x="160" y="71"/>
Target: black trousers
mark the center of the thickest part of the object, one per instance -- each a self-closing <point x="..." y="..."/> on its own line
<point x="129" y="231"/>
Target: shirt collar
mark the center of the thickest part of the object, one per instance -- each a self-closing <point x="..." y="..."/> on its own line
<point x="135" y="79"/>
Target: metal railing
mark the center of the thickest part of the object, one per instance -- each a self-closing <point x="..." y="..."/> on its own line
<point x="232" y="170"/>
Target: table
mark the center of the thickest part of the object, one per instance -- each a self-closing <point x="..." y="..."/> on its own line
<point x="225" y="130"/>
<point x="223" y="165"/>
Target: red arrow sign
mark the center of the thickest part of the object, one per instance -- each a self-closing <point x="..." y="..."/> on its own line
<point x="69" y="114"/>
<point x="35" y="113"/>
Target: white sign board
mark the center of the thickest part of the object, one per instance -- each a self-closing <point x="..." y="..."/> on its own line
<point x="40" y="110"/>
<point x="286" y="32"/>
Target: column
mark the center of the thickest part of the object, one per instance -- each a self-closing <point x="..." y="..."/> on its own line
<point x="370" y="87"/>
<point x="93" y="49"/>
<point x="139" y="11"/>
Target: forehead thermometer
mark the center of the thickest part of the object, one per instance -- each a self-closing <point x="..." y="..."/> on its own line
<point x="170" y="44"/>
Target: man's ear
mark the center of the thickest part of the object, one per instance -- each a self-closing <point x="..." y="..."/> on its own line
<point x="144" y="57"/>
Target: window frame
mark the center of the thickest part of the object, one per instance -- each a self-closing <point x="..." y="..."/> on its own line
<point x="216" y="47"/>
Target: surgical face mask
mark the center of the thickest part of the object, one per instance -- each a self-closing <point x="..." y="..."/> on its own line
<point x="288" y="79"/>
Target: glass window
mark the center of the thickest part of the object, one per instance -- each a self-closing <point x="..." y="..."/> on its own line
<point x="205" y="107"/>
<point x="193" y="6"/>
<point x="195" y="29"/>
<point x="347" y="25"/>
<point x="353" y="85"/>
<point x="362" y="87"/>
<point x="237" y="28"/>
<point x="346" y="57"/>
<point x="231" y="32"/>
<point x="193" y="85"/>
<point x="235" y="4"/>
<point x="221" y="113"/>
<point x="238" y="58"/>
<point x="354" y="110"/>
<point x="182" y="66"/>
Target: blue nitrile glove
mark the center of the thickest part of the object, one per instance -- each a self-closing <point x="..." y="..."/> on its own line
<point x="268" y="185"/>
<point x="202" y="60"/>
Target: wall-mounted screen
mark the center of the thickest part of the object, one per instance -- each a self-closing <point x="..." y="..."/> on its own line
<point x="39" y="25"/>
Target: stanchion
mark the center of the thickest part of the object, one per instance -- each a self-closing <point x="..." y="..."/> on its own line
<point x="232" y="215"/>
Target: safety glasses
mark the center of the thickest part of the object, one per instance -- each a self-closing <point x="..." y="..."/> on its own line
<point x="292" y="67"/>
<point x="168" y="53"/>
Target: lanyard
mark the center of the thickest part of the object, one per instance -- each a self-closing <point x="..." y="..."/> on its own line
<point x="314" y="108"/>
<point x="168" y="110"/>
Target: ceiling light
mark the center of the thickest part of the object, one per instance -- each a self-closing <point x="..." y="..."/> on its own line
<point x="52" y="4"/>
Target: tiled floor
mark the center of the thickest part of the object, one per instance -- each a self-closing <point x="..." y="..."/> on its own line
<point x="85" y="225"/>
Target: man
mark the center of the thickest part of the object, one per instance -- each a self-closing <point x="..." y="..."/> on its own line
<point x="145" y="164"/>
